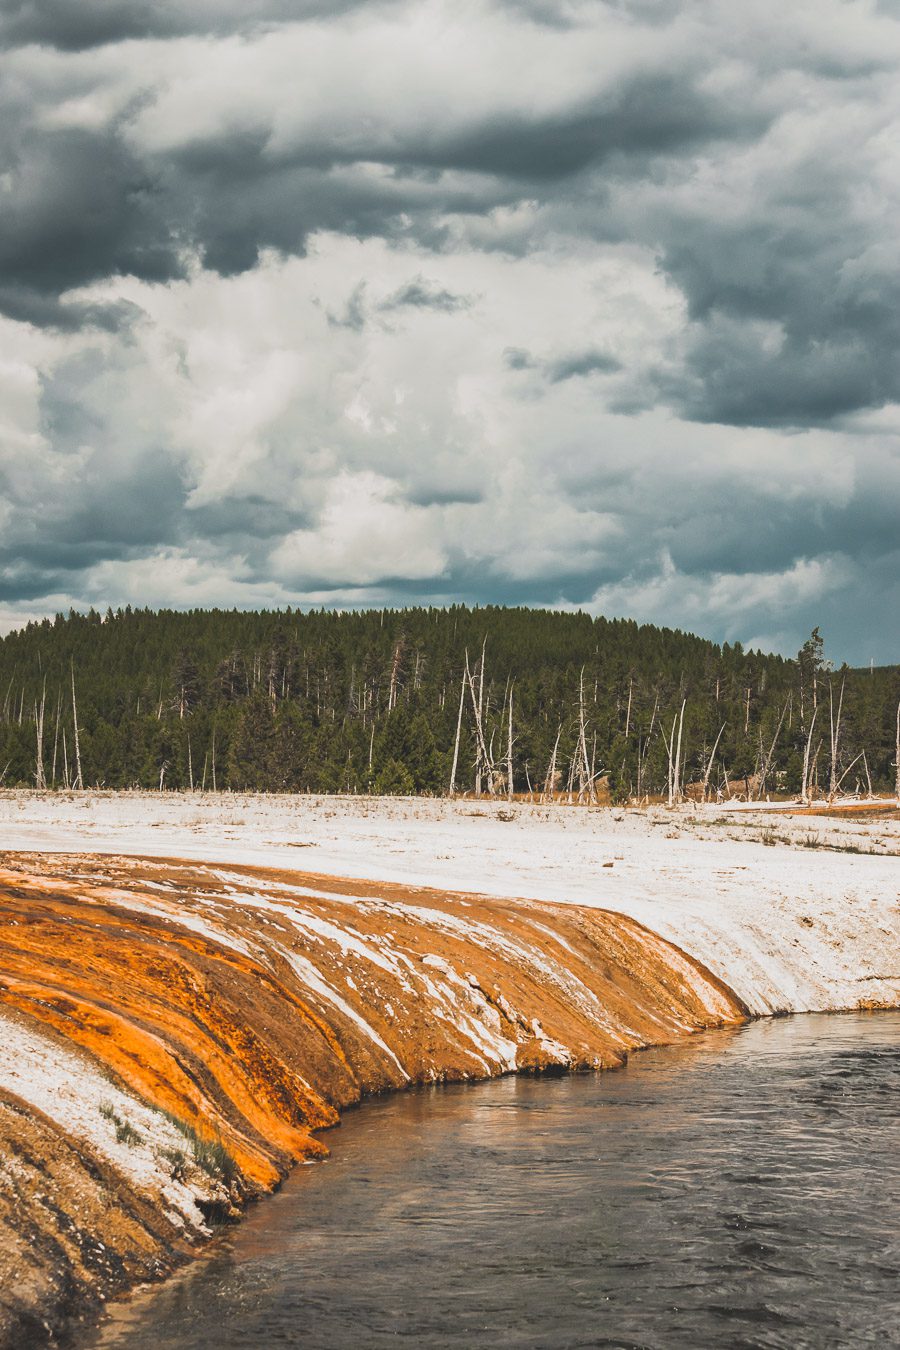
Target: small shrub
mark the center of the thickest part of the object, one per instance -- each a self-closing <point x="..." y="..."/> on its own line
<point x="210" y="1155"/>
<point x="811" y="840"/>
<point x="127" y="1134"/>
<point x="178" y="1162"/>
<point x="213" y="1158"/>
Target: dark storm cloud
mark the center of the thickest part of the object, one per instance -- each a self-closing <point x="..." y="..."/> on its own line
<point x="77" y="25"/>
<point x="241" y="519"/>
<point x="795" y="310"/>
<point x="84" y="204"/>
<point x="247" y="204"/>
<point x="98" y="500"/>
<point x="77" y="207"/>
<point x="741" y="152"/>
<point x="558" y="369"/>
<point x="28" y="305"/>
<point x="571" y="13"/>
<point x="23" y="583"/>
<point x="354" y="312"/>
<point x="576" y="364"/>
<point x="423" y="294"/>
<point x="547" y="13"/>
<point x="649" y="115"/>
<point x="757" y="533"/>
<point x="810" y="379"/>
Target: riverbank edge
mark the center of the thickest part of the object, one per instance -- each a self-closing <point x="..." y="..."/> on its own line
<point x="719" y="939"/>
<point x="527" y="1018"/>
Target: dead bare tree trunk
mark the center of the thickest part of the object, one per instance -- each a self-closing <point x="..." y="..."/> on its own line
<point x="642" y="754"/>
<point x="804" y="784"/>
<point x="767" y="762"/>
<point x="483" y="760"/>
<point x="833" y="783"/>
<point x="709" y="763"/>
<point x="868" y="775"/>
<point x="571" y="783"/>
<point x="678" y="770"/>
<point x="55" y="739"/>
<point x="65" y="760"/>
<point x="585" y="783"/>
<point x="853" y="761"/>
<point x="462" y="699"/>
<point x="815" y="764"/>
<point x="550" y="780"/>
<point x="396" y="662"/>
<point x="190" y="766"/>
<point x="213" y="748"/>
<point x="78" y="780"/>
<point x="40" y="781"/>
<point x="480" y="712"/>
<point x="509" y="749"/>
<point x="6" y="700"/>
<point x="897" y="758"/>
<point x="670" y="749"/>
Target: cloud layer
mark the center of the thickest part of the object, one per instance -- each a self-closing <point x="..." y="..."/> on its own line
<point x="538" y="301"/>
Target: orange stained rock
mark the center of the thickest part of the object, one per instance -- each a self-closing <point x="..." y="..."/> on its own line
<point x="144" y="1064"/>
<point x="252" y="1005"/>
<point x="251" y="1009"/>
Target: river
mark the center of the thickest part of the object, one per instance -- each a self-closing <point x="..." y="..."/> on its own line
<point x="739" y="1190"/>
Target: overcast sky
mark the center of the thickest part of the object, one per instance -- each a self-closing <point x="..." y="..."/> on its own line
<point x="533" y="302"/>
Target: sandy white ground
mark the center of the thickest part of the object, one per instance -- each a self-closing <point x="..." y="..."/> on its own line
<point x="787" y="927"/>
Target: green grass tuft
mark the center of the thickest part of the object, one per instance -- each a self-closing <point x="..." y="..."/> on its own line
<point x="210" y="1155"/>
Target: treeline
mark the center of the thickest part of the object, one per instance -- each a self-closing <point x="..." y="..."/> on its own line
<point x="486" y="700"/>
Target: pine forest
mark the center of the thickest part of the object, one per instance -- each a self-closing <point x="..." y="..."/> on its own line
<point x="432" y="701"/>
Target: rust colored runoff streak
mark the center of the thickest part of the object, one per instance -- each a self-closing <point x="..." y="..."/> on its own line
<point x="245" y="1008"/>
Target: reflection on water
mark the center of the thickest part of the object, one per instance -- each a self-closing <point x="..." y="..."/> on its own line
<point x="742" y="1190"/>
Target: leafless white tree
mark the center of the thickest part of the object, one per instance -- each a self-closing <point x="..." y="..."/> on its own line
<point x="509" y="748"/>
<point x="462" y="699"/>
<point x="766" y="764"/>
<point x="835" y="721"/>
<point x="709" y="762"/>
<point x="40" y="780"/>
<point x="804" y="783"/>
<point x="78" y="781"/>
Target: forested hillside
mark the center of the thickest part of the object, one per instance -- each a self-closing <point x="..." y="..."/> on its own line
<point x="412" y="700"/>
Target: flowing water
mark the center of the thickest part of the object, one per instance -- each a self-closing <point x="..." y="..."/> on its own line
<point x="740" y="1190"/>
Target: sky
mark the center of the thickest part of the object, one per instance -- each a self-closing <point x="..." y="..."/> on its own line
<point x="570" y="303"/>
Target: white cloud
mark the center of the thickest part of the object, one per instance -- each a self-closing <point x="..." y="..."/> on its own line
<point x="726" y="602"/>
<point x="364" y="533"/>
<point x="506" y="310"/>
